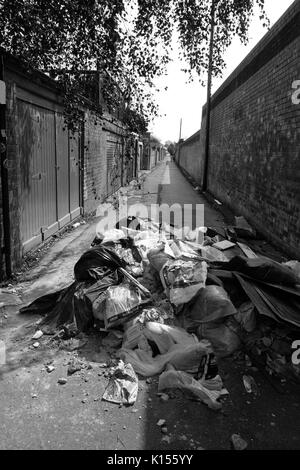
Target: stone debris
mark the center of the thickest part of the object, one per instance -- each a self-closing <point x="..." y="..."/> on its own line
<point x="238" y="443"/>
<point x="164" y="397"/>
<point x="38" y="335"/>
<point x="161" y="422"/>
<point x="62" y="381"/>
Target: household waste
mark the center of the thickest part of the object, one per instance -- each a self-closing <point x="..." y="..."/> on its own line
<point x="174" y="305"/>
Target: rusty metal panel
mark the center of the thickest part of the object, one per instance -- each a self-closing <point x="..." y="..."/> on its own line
<point x="36" y="129"/>
<point x="74" y="158"/>
<point x="62" y="171"/>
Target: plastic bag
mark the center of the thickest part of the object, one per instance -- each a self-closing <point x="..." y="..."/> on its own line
<point x="222" y="335"/>
<point x="183" y="279"/>
<point x="158" y="258"/>
<point x="96" y="263"/>
<point x="122" y="303"/>
<point x="122" y="386"/>
<point x="210" y="304"/>
<point x="182" y="357"/>
<point x="165" y="336"/>
<point x="146" y="241"/>
<point x="94" y="296"/>
<point x="132" y="336"/>
<point x="113" y="235"/>
<point x="295" y="267"/>
<point x="195" y="389"/>
<point x="64" y="307"/>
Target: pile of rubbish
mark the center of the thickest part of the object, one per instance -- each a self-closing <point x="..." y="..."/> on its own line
<point x="175" y="301"/>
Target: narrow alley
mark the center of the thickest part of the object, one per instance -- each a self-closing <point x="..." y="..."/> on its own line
<point x="150" y="229"/>
<point x="39" y="413"/>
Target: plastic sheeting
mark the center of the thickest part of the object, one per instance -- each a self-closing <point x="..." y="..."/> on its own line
<point x="194" y="389"/>
<point x="183" y="279"/>
<point x="122" y="303"/>
<point x="123" y="386"/>
<point x="182" y="357"/>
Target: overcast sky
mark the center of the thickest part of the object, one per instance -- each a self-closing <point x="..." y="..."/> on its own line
<point x="185" y="101"/>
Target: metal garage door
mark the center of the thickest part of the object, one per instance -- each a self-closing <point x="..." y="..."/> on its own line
<point x="49" y="163"/>
<point x="37" y="162"/>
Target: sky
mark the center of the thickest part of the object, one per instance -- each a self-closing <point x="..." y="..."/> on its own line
<point x="185" y="100"/>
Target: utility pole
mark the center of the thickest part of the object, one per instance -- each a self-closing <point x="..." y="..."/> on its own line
<point x="180" y="130"/>
<point x="208" y="101"/>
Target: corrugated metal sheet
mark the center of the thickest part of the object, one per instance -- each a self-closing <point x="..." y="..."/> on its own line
<point x="37" y="159"/>
<point x="49" y="162"/>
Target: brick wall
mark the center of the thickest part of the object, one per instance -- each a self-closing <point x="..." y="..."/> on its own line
<point x="96" y="131"/>
<point x="254" y="161"/>
<point x="188" y="156"/>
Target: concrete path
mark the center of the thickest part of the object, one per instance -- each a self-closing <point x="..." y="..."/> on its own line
<point x="37" y="413"/>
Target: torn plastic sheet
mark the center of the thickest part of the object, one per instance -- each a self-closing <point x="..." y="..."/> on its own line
<point x="134" y="328"/>
<point x="94" y="262"/>
<point x="209" y="304"/>
<point x="182" y="357"/>
<point x="194" y="389"/>
<point x="165" y="336"/>
<point x="122" y="387"/>
<point x="63" y="307"/>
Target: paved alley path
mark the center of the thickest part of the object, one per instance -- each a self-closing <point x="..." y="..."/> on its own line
<point x="38" y="413"/>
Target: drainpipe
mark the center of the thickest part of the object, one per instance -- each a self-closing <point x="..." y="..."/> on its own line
<point x="4" y="172"/>
<point x="208" y="103"/>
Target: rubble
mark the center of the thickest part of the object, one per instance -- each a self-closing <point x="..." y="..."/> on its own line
<point x="135" y="283"/>
<point x="250" y="385"/>
<point x="62" y="381"/>
<point x="238" y="443"/>
<point x="74" y="366"/>
<point x="38" y="335"/>
<point x="161" y="422"/>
